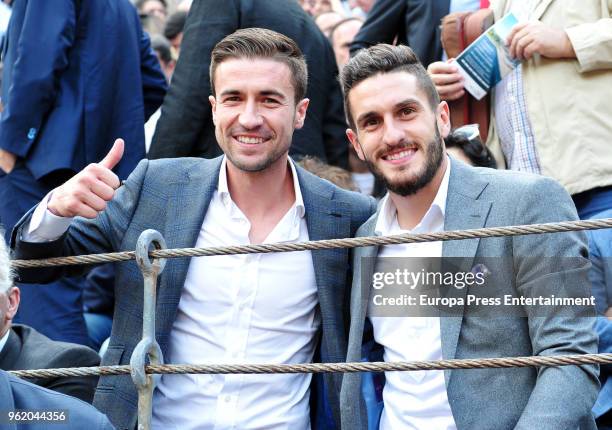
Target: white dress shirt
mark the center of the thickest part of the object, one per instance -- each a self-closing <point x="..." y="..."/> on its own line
<point x="238" y="309"/>
<point x="413" y="400"/>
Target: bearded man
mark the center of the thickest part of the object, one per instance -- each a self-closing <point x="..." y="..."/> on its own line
<point x="397" y="126"/>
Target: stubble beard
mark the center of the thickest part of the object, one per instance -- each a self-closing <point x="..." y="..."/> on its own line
<point x="410" y="186"/>
<point x="268" y="161"/>
<point x="270" y="158"/>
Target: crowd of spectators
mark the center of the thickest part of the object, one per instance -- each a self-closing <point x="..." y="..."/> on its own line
<point x="67" y="94"/>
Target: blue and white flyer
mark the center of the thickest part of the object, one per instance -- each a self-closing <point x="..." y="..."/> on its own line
<point x="487" y="60"/>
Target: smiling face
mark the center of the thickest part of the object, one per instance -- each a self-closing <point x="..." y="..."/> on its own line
<point x="255" y="112"/>
<point x="396" y="131"/>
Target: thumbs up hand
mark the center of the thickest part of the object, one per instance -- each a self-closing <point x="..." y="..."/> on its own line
<point x="87" y="193"/>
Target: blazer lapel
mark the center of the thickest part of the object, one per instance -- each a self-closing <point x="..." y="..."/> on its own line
<point x="539" y="8"/>
<point x="501" y="8"/>
<point x="464" y="210"/>
<point x="11" y="351"/>
<point x="327" y="218"/>
<point x="188" y="201"/>
<point x="365" y="265"/>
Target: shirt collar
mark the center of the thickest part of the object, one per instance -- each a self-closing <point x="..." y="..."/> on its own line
<point x="223" y="189"/>
<point x="387" y="218"/>
<point x="4" y="339"/>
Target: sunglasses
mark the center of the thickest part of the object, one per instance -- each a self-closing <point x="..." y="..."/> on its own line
<point x="470" y="132"/>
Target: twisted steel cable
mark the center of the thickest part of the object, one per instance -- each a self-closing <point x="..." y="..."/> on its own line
<point x="519" y="230"/>
<point x="506" y="362"/>
<point x="180" y="369"/>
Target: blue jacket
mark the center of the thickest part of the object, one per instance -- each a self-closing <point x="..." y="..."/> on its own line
<point x="77" y="75"/>
<point x="414" y="23"/>
<point x="172" y="197"/>
<point x="16" y="394"/>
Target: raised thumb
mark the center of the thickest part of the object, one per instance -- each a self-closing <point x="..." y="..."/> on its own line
<point x="114" y="155"/>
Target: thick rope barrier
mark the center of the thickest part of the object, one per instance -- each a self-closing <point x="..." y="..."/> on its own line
<point x="209" y="369"/>
<point x="519" y="230"/>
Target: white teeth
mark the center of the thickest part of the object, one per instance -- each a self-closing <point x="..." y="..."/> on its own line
<point x="399" y="155"/>
<point x="250" y="140"/>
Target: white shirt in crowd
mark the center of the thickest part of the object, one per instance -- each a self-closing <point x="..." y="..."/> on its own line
<point x="236" y="309"/>
<point x="413" y="400"/>
<point x="5" y="17"/>
<point x="4" y="339"/>
<point x="149" y="129"/>
<point x="365" y="182"/>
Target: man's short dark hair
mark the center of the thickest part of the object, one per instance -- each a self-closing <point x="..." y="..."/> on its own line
<point x="262" y="43"/>
<point x="383" y="58"/>
<point x="161" y="45"/>
<point x="175" y="24"/>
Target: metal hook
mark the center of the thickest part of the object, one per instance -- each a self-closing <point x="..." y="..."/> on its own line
<point x="147" y="348"/>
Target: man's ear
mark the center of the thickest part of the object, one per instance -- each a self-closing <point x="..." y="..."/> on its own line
<point x="300" y="113"/>
<point x="213" y="104"/>
<point x="13" y="295"/>
<point x="352" y="137"/>
<point x="443" y="119"/>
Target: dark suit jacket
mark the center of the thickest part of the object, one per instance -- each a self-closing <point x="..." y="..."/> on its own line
<point x="16" y="394"/>
<point x="28" y="349"/>
<point x="77" y="75"/>
<point x="172" y="197"/>
<point x="415" y="23"/>
<point x="186" y="129"/>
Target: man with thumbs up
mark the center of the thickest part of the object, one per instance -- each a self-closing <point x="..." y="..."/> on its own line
<point x="285" y="307"/>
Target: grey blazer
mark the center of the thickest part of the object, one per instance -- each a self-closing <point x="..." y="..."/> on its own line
<point x="28" y="349"/>
<point x="522" y="398"/>
<point x="172" y="196"/>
